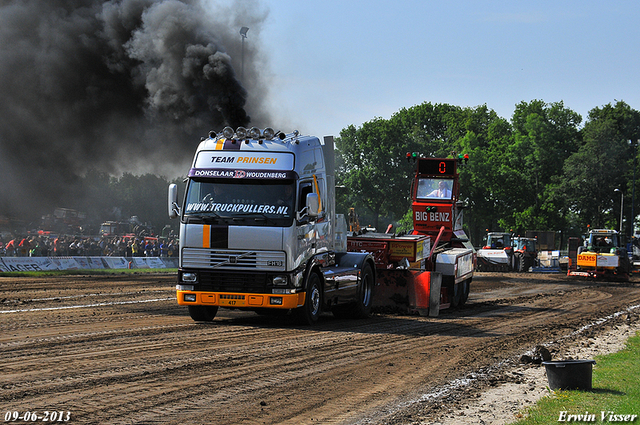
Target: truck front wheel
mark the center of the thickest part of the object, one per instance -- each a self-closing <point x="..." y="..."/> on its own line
<point x="308" y="314"/>
<point x="203" y="313"/>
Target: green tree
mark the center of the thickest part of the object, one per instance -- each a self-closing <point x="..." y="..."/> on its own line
<point x="485" y="137"/>
<point x="539" y="171"/>
<point x="432" y="129"/>
<point x="545" y="135"/>
<point x="368" y="160"/>
<point x="593" y="173"/>
<point x="605" y="162"/>
<point x="372" y="166"/>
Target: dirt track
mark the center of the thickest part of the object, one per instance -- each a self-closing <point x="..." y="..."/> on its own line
<point x="119" y="349"/>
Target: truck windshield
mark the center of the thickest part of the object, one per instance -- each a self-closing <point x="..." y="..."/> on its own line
<point x="255" y="202"/>
<point x="499" y="240"/>
<point x="603" y="240"/>
<point x="526" y="244"/>
<point x="434" y="188"/>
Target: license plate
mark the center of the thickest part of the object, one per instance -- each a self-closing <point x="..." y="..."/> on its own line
<point x="232" y="300"/>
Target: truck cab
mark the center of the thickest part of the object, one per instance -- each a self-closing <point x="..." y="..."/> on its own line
<point x="258" y="229"/>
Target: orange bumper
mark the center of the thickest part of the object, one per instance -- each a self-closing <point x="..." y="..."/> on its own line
<point x="239" y="300"/>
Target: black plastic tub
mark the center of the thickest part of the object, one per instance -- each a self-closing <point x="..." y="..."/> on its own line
<point x="569" y="374"/>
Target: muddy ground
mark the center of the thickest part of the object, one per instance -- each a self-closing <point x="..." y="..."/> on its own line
<point x="119" y="350"/>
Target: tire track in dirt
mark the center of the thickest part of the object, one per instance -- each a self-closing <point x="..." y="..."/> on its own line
<point x="120" y="364"/>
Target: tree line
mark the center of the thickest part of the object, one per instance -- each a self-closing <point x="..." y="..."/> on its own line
<point x="542" y="170"/>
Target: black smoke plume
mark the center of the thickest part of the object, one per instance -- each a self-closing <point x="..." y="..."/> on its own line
<point x="113" y="86"/>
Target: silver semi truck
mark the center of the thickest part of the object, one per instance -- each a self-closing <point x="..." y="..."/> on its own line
<point x="259" y="231"/>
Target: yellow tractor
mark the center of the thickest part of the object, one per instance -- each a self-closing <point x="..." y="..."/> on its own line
<point x="601" y="256"/>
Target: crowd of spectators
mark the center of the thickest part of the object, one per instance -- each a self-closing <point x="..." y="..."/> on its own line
<point x="69" y="246"/>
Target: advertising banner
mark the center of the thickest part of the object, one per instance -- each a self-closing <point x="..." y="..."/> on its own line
<point x="34" y="264"/>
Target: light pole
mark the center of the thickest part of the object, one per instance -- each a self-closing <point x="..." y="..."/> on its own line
<point x="243" y="33"/>
<point x="621" y="207"/>
<point x="633" y="193"/>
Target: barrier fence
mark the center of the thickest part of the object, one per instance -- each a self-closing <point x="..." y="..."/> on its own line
<point x="30" y="264"/>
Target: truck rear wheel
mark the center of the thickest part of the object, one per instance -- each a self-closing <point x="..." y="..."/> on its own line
<point x="203" y="313"/>
<point x="309" y="313"/>
<point x="365" y="293"/>
<point x="361" y="308"/>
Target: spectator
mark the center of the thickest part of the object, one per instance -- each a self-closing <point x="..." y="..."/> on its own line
<point x="135" y="248"/>
<point x="94" y="249"/>
<point x="119" y="247"/>
<point x="10" y="248"/>
<point x="56" y="246"/>
<point x="73" y="247"/>
<point x="45" y="246"/>
<point x="35" y="247"/>
<point x="64" y="246"/>
<point x="24" y="247"/>
<point x="147" y="248"/>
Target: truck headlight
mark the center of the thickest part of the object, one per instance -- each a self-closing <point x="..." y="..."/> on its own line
<point x="241" y="133"/>
<point x="280" y="281"/>
<point x="189" y="277"/>
<point x="268" y="133"/>
<point x="190" y="298"/>
<point x="254" y="133"/>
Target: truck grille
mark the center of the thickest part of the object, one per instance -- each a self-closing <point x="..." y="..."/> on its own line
<point x="224" y="259"/>
<point x="251" y="283"/>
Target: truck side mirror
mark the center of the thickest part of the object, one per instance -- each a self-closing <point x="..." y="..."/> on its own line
<point x="312" y="205"/>
<point x="174" y="209"/>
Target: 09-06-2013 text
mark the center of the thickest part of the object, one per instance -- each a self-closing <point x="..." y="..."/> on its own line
<point x="45" y="416"/>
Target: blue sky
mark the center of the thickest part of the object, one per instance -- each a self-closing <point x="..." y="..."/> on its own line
<point x="337" y="63"/>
